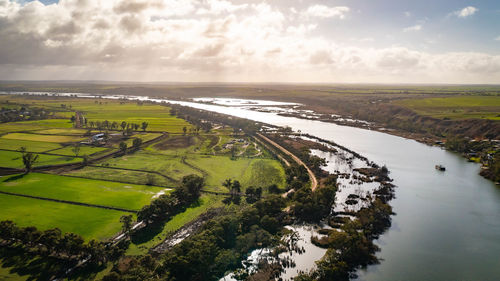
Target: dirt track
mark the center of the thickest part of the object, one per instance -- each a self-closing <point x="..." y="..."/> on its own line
<point x="314" y="181"/>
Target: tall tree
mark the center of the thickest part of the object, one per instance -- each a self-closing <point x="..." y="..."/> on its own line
<point x="126" y="221"/>
<point x="29" y="159"/>
<point x="144" y="126"/>
<point x="76" y="149"/>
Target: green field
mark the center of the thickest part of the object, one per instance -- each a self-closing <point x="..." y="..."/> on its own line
<point x="41" y="138"/>
<point x="33" y="146"/>
<point x="168" y="165"/>
<point x="84" y="150"/>
<point x="110" y="182"/>
<point x="250" y="172"/>
<point x="90" y="223"/>
<point x="127" y="196"/>
<point x="134" y="177"/>
<point x="22" y="126"/>
<point x="457" y="107"/>
<point x="12" y="159"/>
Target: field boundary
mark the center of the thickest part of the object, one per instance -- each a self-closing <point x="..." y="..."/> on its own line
<point x="69" y="202"/>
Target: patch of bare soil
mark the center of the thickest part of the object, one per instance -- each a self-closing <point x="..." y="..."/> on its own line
<point x="176" y="142"/>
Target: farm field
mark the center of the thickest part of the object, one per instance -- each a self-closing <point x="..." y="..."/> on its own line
<point x="90" y="223"/>
<point x="41" y="138"/>
<point x="110" y="177"/>
<point x="32" y="146"/>
<point x="458" y="107"/>
<point x="157" y="116"/>
<point x="12" y="159"/>
<point x="105" y="193"/>
<point x="250" y="172"/>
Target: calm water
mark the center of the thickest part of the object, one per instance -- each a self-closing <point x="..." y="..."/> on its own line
<point x="447" y="225"/>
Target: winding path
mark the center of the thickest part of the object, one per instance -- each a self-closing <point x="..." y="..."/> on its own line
<point x="314" y="180"/>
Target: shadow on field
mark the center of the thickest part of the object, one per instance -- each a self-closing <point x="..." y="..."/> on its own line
<point x="26" y="264"/>
<point x="41" y="268"/>
<point x="14" y="178"/>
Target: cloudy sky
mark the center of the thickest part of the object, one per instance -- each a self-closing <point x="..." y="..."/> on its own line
<point x="328" y="41"/>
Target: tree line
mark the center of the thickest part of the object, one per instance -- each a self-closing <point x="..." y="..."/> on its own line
<point x="68" y="247"/>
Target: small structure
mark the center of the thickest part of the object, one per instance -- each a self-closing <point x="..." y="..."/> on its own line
<point x="440" y="168"/>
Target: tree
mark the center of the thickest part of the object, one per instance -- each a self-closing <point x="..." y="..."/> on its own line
<point x="29" y="160"/>
<point x="227" y="183"/>
<point x="144" y="126"/>
<point x="184" y="129"/>
<point x="123" y="125"/>
<point x="126" y="220"/>
<point x="76" y="149"/>
<point x="123" y="147"/>
<point x="137" y="143"/>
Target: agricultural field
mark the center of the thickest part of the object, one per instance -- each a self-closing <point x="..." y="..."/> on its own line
<point x="458" y="107"/>
<point x="92" y="222"/>
<point x="109" y="177"/>
<point x="12" y="159"/>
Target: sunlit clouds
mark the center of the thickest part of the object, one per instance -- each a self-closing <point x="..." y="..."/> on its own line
<point x="220" y="41"/>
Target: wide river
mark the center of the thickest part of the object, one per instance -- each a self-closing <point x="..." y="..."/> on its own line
<point x="447" y="224"/>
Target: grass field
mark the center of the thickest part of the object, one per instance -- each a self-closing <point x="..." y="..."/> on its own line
<point x="12" y="159"/>
<point x="22" y="126"/>
<point x="41" y="138"/>
<point x="91" y="223"/>
<point x="106" y="193"/>
<point x="458" y="107"/>
<point x="33" y="146"/>
<point x="168" y="165"/>
<point x="87" y="221"/>
<point x="84" y="150"/>
<point x="157" y="116"/>
<point x="250" y="172"/>
<point x="100" y="173"/>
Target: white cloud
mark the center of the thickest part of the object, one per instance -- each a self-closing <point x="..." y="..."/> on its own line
<point x="322" y="11"/>
<point x="407" y="14"/>
<point x="417" y="27"/>
<point x="466" y="12"/>
<point x="497" y="39"/>
<point x="166" y="40"/>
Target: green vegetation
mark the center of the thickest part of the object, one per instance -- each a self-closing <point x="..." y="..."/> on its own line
<point x="33" y="146"/>
<point x="458" y="107"/>
<point x="12" y="159"/>
<point x="40" y="138"/>
<point x="106" y="193"/>
<point x="91" y="223"/>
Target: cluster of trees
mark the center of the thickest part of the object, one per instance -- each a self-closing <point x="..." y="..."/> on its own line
<point x="168" y="205"/>
<point x="313" y="206"/>
<point x="296" y="176"/>
<point x="204" y="119"/>
<point x="483" y="151"/>
<point x="353" y="246"/>
<point x="10" y="114"/>
<point x="136" y="144"/>
<point x="127" y="128"/>
<point x="216" y="248"/>
<point x="314" y="162"/>
<point x="53" y="243"/>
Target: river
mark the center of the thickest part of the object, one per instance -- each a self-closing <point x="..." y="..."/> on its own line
<point x="447" y="224"/>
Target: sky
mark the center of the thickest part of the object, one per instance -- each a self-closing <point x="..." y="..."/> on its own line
<point x="290" y="41"/>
